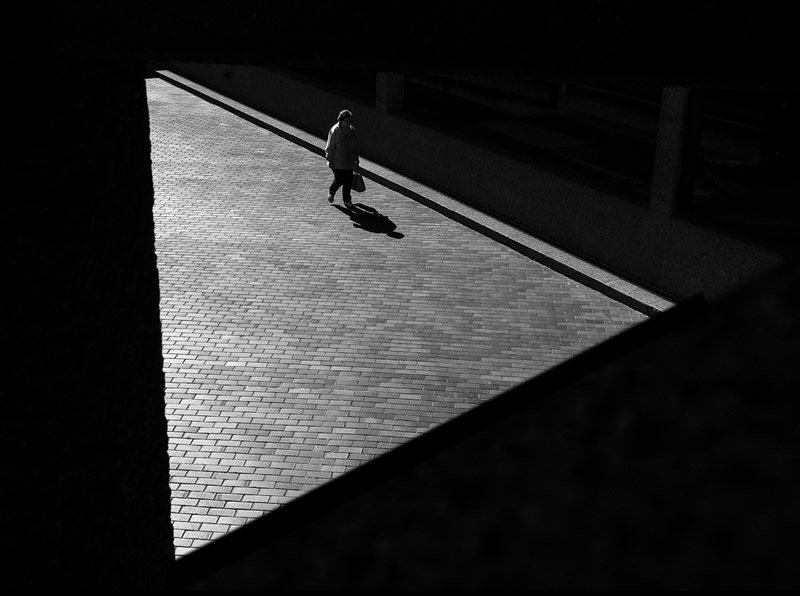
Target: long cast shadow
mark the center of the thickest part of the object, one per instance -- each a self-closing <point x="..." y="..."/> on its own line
<point x="369" y="219"/>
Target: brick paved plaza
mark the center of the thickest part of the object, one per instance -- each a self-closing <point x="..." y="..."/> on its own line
<point x="301" y="340"/>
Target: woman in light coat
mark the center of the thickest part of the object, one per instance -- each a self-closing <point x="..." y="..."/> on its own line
<point x="341" y="151"/>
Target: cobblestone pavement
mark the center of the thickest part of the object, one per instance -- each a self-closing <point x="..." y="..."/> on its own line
<point x="301" y="340"/>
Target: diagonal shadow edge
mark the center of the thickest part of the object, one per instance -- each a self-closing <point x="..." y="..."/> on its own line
<point x="313" y="504"/>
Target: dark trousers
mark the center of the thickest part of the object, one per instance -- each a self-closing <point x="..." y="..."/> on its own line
<point x="343" y="178"/>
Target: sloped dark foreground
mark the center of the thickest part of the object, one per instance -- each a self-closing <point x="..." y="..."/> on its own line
<point x="667" y="457"/>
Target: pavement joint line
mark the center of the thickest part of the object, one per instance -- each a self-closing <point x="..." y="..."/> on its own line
<point x="568" y="264"/>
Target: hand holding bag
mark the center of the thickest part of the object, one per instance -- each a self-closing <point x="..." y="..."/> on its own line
<point x="358" y="182"/>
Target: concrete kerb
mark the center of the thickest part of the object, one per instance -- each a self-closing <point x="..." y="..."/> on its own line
<point x="555" y="258"/>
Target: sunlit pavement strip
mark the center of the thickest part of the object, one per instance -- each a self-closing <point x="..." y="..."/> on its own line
<point x="300" y="341"/>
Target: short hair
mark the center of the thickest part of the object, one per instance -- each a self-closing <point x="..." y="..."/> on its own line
<point x="344" y="114"/>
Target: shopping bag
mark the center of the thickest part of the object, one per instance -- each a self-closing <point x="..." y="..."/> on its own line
<point x="358" y="182"/>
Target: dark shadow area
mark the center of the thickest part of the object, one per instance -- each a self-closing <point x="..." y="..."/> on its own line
<point x="91" y="505"/>
<point x="535" y="121"/>
<point x="748" y="200"/>
<point x="746" y="179"/>
<point x="370" y="219"/>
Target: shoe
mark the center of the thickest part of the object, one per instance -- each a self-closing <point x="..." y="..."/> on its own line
<point x="348" y="204"/>
<point x="330" y="198"/>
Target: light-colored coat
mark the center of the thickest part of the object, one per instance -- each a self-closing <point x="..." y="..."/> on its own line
<point x="341" y="150"/>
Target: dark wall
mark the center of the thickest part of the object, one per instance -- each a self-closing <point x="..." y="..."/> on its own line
<point x="86" y="501"/>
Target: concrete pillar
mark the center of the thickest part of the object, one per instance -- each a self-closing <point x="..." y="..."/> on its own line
<point x="389" y="92"/>
<point x="677" y="145"/>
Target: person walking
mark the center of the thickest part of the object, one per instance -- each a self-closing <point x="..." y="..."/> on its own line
<point x="341" y="151"/>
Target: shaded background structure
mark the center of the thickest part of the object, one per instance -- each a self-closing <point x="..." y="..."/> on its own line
<point x="86" y="499"/>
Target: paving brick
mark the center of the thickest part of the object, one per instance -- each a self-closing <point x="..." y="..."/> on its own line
<point x="298" y="346"/>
